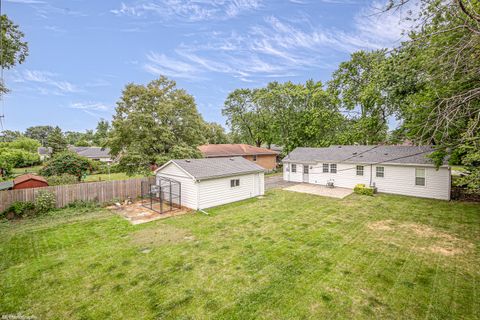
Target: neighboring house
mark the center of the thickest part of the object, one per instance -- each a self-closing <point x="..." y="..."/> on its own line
<point x="211" y="182"/>
<point x="93" y="153"/>
<point x="266" y="158"/>
<point x="25" y="181"/>
<point x="391" y="169"/>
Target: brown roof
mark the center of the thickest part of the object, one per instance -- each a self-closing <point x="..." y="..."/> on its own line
<point x="26" y="177"/>
<point x="231" y="150"/>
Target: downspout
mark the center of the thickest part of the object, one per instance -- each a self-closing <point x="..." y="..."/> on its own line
<point x="198" y="194"/>
<point x="371" y="169"/>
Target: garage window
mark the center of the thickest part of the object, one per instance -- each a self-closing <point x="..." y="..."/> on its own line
<point x="254" y="157"/>
<point x="294" y="167"/>
<point x="234" y="183"/>
<point x="420" y="177"/>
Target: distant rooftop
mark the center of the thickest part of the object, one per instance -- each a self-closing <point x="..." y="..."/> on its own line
<point x="233" y="150"/>
<point x="88" y="152"/>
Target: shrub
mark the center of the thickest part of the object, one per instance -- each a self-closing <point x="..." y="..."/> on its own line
<point x="45" y="201"/>
<point x="363" y="190"/>
<point x="18" y="209"/>
<point x="83" y="204"/>
<point x="114" y="168"/>
<point x="66" y="162"/>
<point x="62" y="179"/>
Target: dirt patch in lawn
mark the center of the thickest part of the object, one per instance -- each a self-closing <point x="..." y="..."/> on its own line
<point x="419" y="237"/>
<point x="384" y="225"/>
<point x="159" y="236"/>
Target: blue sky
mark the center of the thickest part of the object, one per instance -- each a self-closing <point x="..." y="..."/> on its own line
<point x="82" y="53"/>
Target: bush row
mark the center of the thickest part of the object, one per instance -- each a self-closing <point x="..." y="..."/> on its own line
<point x="44" y="203"/>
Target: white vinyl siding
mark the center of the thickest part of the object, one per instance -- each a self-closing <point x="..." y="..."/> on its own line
<point x="420" y="177"/>
<point x="208" y="193"/>
<point x="397" y="179"/>
<point x="289" y="175"/>
<point x="218" y="191"/>
<point x="188" y="185"/>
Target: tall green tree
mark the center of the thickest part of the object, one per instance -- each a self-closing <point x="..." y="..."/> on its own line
<point x="434" y="80"/>
<point x="14" y="48"/>
<point x="304" y="115"/>
<point x="215" y="134"/>
<point x="247" y="117"/>
<point x="39" y="133"/>
<point x="358" y="85"/>
<point x="154" y="123"/>
<point x="101" y="133"/>
<point x="9" y="135"/>
<point x="56" y="141"/>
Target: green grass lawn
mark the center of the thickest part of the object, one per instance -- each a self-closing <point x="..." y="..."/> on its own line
<point x="19" y="171"/>
<point x="108" y="177"/>
<point x="286" y="256"/>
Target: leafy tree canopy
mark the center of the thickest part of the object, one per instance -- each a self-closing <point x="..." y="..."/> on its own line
<point x="14" y="49"/>
<point x="153" y="123"/>
<point x="39" y="133"/>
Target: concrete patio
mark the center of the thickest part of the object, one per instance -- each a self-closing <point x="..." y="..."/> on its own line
<point x="320" y="190"/>
<point x="136" y="213"/>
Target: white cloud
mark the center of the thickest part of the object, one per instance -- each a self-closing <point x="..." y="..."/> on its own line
<point x="188" y="10"/>
<point x="50" y="84"/>
<point x="90" y="106"/>
<point x="278" y="47"/>
<point x="160" y="64"/>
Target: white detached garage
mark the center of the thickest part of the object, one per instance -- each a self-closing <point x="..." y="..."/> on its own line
<point x="214" y="181"/>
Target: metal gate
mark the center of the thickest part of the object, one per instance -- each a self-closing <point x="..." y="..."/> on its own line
<point x="163" y="196"/>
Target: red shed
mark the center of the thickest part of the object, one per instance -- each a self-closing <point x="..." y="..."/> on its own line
<point x="27" y="181"/>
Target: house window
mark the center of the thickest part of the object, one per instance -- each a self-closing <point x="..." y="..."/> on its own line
<point x="380" y="172"/>
<point x="333" y="168"/>
<point x="420" y="176"/>
<point x="234" y="183"/>
<point x="294" y="167"/>
<point x="325" y="168"/>
<point x="359" y="170"/>
<point x="305" y="169"/>
<point x="254" y="157"/>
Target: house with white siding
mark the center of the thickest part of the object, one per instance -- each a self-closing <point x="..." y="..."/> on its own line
<point x="402" y="170"/>
<point x="210" y="182"/>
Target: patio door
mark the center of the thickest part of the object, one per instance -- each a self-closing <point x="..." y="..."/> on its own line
<point x="305" y="173"/>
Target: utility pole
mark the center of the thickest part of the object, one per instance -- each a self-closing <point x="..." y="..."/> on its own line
<point x="2" y="113"/>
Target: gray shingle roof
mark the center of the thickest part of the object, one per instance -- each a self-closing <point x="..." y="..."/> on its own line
<point x="208" y="168"/>
<point x="88" y="152"/>
<point x="363" y="154"/>
<point x="91" y="152"/>
<point x="6" y="185"/>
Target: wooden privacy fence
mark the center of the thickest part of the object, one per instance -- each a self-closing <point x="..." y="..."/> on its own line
<point x="101" y="192"/>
